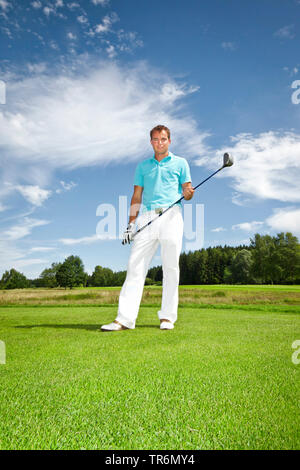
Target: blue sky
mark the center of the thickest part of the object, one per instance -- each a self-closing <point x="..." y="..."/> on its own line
<point x="82" y="83"/>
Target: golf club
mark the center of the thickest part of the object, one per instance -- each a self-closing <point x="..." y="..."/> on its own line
<point x="227" y="161"/>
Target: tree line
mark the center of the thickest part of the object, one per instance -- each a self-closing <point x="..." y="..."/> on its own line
<point x="267" y="260"/>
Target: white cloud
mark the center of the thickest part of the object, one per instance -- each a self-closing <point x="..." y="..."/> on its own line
<point x="71" y="36"/>
<point x="7" y="31"/>
<point x="48" y="11"/>
<point x="111" y="51"/>
<point x="267" y="165"/>
<point x="82" y="19"/>
<point x="218" y="229"/>
<point x="100" y="2"/>
<point x="36" y="4"/>
<point x="106" y="24"/>
<point x="73" y="5"/>
<point x="170" y="92"/>
<point x="85" y="240"/>
<point x="66" y="186"/>
<point x="41" y="249"/>
<point x="33" y="194"/>
<point x="51" y="9"/>
<point x="128" y="40"/>
<point x="286" y="32"/>
<point x="54" y="45"/>
<point x="37" y="68"/>
<point x="5" y="5"/>
<point x="16" y="232"/>
<point x="285" y="220"/>
<point x="248" y="226"/>
<point x="14" y="257"/>
<point x="230" y="46"/>
<point x="3" y="207"/>
<point x="68" y="120"/>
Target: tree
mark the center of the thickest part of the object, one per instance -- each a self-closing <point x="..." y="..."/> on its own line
<point x="241" y="267"/>
<point x="263" y="248"/>
<point x="276" y="259"/>
<point x="71" y="273"/>
<point x="48" y="276"/>
<point x="286" y="258"/>
<point x="102" y="277"/>
<point x="119" y="278"/>
<point x="14" y="280"/>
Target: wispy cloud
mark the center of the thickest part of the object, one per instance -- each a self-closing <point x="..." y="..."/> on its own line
<point x="36" y="4"/>
<point x="292" y="71"/>
<point x="3" y="207"/>
<point x="286" y="32"/>
<point x="22" y="229"/>
<point x="248" y="226"/>
<point x="41" y="249"/>
<point x="285" y="220"/>
<point x="100" y="2"/>
<point x="66" y="186"/>
<point x="106" y="24"/>
<point x="85" y="240"/>
<point x="111" y="51"/>
<point x="71" y="36"/>
<point x="229" y="46"/>
<point x="218" y="229"/>
<point x="73" y="5"/>
<point x="5" y="5"/>
<point x="60" y="124"/>
<point x="33" y="194"/>
<point x="267" y="165"/>
<point x="82" y="19"/>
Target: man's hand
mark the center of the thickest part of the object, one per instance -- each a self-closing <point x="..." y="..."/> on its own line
<point x="128" y="234"/>
<point x="188" y="193"/>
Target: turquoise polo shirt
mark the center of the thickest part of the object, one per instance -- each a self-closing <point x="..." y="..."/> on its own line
<point x="162" y="180"/>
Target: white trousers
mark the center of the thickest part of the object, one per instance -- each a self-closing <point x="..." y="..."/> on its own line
<point x="167" y="231"/>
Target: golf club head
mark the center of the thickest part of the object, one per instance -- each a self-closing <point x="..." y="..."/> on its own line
<point x="227" y="160"/>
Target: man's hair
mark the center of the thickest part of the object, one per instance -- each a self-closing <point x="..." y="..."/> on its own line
<point x="160" y="128"/>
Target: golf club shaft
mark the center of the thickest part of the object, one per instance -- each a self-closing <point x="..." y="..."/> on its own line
<point x="176" y="202"/>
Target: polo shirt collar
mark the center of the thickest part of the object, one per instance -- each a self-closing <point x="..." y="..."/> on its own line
<point x="169" y="156"/>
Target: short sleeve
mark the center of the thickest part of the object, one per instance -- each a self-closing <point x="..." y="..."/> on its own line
<point x="138" y="177"/>
<point x="185" y="174"/>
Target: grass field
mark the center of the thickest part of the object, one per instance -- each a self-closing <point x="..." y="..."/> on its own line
<point x="222" y="379"/>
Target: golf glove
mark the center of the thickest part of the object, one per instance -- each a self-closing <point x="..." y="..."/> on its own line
<point x="128" y="234"/>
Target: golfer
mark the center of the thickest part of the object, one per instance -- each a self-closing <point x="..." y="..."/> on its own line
<point x="159" y="181"/>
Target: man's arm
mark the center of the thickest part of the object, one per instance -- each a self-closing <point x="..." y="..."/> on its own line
<point x="135" y="203"/>
<point x="188" y="191"/>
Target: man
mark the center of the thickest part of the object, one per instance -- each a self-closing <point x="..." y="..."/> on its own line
<point x="159" y="181"/>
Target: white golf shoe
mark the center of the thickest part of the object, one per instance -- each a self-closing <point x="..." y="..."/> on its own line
<point x="166" y="325"/>
<point x="113" y="327"/>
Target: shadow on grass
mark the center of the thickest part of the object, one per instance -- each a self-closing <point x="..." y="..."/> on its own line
<point x="76" y="326"/>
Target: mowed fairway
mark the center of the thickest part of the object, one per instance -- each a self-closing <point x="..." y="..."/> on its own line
<point x="222" y="379"/>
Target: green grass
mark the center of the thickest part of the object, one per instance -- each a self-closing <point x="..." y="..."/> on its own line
<point x="222" y="379"/>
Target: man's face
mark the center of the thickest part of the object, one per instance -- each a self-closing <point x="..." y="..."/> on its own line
<point x="160" y="142"/>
